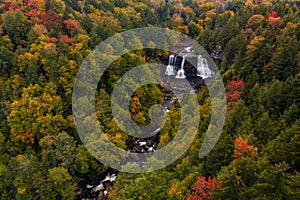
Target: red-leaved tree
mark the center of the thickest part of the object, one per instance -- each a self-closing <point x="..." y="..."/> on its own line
<point x="235" y="85"/>
<point x="7" y="5"/>
<point x="274" y="20"/>
<point x="50" y="18"/>
<point x="33" y="14"/>
<point x="66" y="39"/>
<point x="71" y="25"/>
<point x="273" y="14"/>
<point x="233" y="91"/>
<point x="51" y="40"/>
<point x="203" y="188"/>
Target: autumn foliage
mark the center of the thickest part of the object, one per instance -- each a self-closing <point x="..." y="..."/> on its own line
<point x="33" y="14"/>
<point x="243" y="149"/>
<point x="7" y="6"/>
<point x="234" y="88"/>
<point x="136" y="106"/>
<point x="51" y="40"/>
<point x="274" y="20"/>
<point x="183" y="29"/>
<point x="43" y="43"/>
<point x="65" y="39"/>
<point x="71" y="25"/>
<point x="50" y="18"/>
<point x="27" y="137"/>
<point x="273" y="14"/>
<point x="203" y="188"/>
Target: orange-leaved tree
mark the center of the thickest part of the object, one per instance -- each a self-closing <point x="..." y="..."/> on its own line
<point x="243" y="149"/>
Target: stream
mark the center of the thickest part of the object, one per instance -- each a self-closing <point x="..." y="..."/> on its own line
<point x="178" y="68"/>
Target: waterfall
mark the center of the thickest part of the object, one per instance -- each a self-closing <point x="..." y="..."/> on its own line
<point x="203" y="69"/>
<point x="170" y="68"/>
<point x="180" y="73"/>
<point x="177" y="65"/>
<point x="174" y="63"/>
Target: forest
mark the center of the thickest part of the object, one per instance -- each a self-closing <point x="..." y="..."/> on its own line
<point x="43" y="44"/>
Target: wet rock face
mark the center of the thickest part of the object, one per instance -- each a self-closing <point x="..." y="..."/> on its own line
<point x="101" y="190"/>
<point x="180" y="65"/>
<point x="180" y="68"/>
<point x="217" y="53"/>
<point x="178" y="75"/>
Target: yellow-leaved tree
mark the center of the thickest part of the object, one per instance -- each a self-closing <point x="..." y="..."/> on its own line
<point x="37" y="113"/>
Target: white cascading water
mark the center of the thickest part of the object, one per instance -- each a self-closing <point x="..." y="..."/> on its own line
<point x="203" y="69"/>
<point x="174" y="63"/>
<point x="170" y="71"/>
<point x="180" y="73"/>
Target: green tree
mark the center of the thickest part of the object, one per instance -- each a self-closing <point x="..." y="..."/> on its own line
<point x="142" y="186"/>
<point x="65" y="148"/>
<point x="283" y="63"/>
<point x="285" y="148"/>
<point x="62" y="183"/>
<point x="16" y="26"/>
<point x="29" y="179"/>
<point x="87" y="165"/>
<point x="6" y="56"/>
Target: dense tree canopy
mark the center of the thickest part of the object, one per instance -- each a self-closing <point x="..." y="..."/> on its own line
<point x="44" y="42"/>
